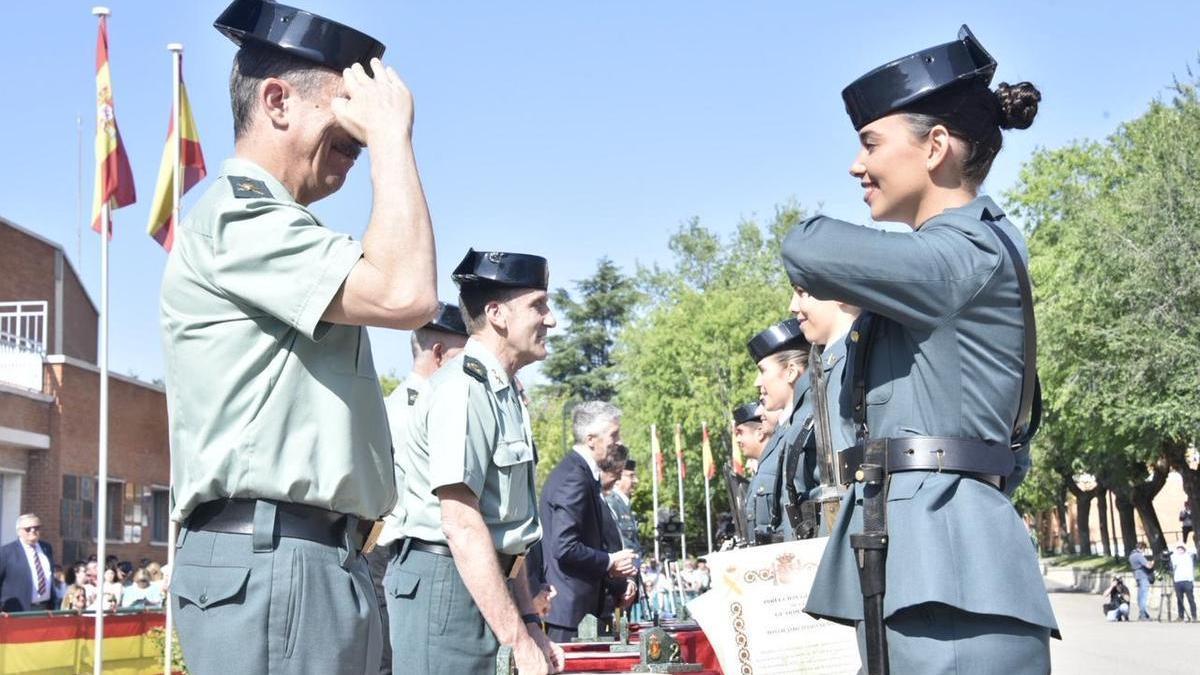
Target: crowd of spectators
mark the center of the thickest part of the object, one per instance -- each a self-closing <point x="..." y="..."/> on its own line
<point x="120" y="586"/>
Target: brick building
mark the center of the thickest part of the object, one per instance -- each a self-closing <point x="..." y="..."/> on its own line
<point x="49" y="415"/>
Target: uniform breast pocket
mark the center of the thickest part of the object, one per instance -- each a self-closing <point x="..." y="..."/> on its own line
<point x="881" y="372"/>
<point x="514" y="464"/>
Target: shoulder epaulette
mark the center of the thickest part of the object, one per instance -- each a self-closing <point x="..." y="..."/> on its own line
<point x="475" y="368"/>
<point x="249" y="188"/>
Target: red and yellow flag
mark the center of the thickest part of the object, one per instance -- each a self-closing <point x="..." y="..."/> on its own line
<point x="679" y="452"/>
<point x="114" y="177"/>
<point x="656" y="451"/>
<point x="710" y="467"/>
<point x="735" y="452"/>
<point x="185" y="149"/>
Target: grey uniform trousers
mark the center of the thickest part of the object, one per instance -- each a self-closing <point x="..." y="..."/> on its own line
<point x="291" y="606"/>
<point x="436" y="628"/>
<point x="937" y="639"/>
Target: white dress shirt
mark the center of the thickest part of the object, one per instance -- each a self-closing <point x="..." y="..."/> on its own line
<point x="586" y="453"/>
<point x="47" y="572"/>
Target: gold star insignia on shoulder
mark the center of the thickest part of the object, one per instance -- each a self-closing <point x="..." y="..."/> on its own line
<point x="248" y="188"/>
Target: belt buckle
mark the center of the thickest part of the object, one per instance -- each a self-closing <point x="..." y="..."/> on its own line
<point x="372" y="537"/>
<point x="518" y="565"/>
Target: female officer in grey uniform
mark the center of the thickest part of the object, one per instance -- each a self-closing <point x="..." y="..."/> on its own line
<point x="781" y="354"/>
<point x="936" y="378"/>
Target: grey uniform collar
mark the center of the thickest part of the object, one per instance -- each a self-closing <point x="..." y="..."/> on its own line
<point x="240" y="166"/>
<point x="498" y="378"/>
<point x="980" y="208"/>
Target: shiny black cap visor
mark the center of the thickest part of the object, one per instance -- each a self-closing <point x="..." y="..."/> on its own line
<point x="893" y="86"/>
<point x="781" y="336"/>
<point x="747" y="412"/>
<point x="499" y="268"/>
<point x="303" y="34"/>
<point x="448" y="320"/>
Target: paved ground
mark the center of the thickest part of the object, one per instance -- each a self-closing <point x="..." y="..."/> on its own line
<point x="1091" y="645"/>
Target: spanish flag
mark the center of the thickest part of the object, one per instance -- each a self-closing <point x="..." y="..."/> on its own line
<point x="114" y="178"/>
<point x="656" y="451"/>
<point x="710" y="467"/>
<point x="162" y="211"/>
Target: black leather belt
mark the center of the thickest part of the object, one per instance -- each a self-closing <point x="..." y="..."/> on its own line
<point x="989" y="462"/>
<point x="299" y="521"/>
<point x="510" y="564"/>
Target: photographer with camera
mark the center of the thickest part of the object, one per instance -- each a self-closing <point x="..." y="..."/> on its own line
<point x="1117" y="607"/>
<point x="1143" y="573"/>
<point x="1184" y="565"/>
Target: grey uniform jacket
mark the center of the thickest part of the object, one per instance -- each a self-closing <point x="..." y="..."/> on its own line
<point x="795" y="437"/>
<point x="946" y="360"/>
<point x="626" y="522"/>
<point x="765" y="496"/>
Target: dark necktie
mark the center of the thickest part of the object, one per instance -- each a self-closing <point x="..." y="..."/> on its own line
<point x="41" y="573"/>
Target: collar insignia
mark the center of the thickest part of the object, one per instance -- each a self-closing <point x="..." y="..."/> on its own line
<point x="249" y="188"/>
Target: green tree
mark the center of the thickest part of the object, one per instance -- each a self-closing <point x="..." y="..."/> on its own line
<point x="580" y="362"/>
<point x="388" y="383"/>
<point x="684" y="361"/>
<point x="1115" y="255"/>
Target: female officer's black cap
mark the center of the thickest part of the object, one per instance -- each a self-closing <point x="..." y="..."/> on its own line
<point x="781" y="336"/>
<point x="497" y="268"/>
<point x="893" y="86"/>
<point x="448" y="320"/>
<point x="747" y="412"/>
<point x="297" y="32"/>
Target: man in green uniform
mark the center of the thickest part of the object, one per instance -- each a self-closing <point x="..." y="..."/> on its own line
<point x="279" y="439"/>
<point x="455" y="583"/>
<point x="620" y="501"/>
<point x="433" y="345"/>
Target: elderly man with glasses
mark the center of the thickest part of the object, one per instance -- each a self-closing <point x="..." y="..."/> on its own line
<point x="26" y="565"/>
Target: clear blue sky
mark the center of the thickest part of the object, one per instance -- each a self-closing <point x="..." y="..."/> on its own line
<point x="569" y="129"/>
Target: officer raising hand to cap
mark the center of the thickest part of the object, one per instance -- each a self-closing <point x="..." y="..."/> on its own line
<point x="279" y="438"/>
<point x="455" y="583"/>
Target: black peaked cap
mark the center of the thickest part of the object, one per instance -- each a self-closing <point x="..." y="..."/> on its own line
<point x="747" y="412"/>
<point x="303" y="34"/>
<point x="448" y="320"/>
<point x="781" y="336"/>
<point x="498" y="268"/>
<point x="892" y="86"/>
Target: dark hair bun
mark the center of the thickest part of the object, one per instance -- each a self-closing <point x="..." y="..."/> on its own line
<point x="1018" y="104"/>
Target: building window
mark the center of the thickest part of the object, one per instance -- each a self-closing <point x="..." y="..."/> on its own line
<point x="116" y="511"/>
<point x="160" y="514"/>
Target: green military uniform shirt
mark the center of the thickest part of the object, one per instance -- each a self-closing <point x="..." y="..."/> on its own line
<point x="471" y="428"/>
<point x="265" y="399"/>
<point x="399" y="406"/>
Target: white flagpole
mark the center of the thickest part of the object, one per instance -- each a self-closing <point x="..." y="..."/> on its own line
<point x="654" y="476"/>
<point x="679" y="475"/>
<point x="176" y="50"/>
<point x="707" y="491"/>
<point x="101" y="514"/>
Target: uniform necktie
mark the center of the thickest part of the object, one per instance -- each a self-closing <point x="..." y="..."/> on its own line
<point x="41" y="573"/>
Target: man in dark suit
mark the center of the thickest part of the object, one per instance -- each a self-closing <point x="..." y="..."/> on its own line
<point x="26" y="579"/>
<point x="577" y="558"/>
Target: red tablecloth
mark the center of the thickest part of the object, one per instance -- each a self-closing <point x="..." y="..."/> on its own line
<point x="590" y="657"/>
